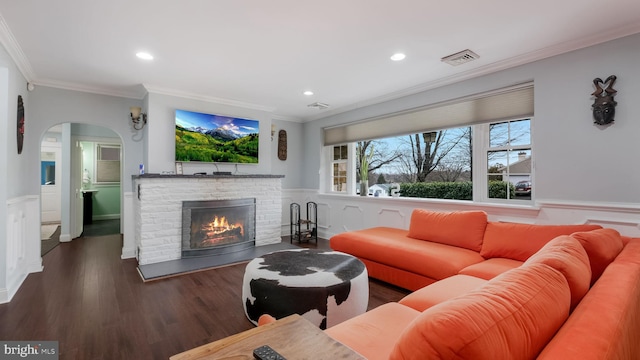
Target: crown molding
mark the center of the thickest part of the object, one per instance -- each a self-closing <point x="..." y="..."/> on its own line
<point x="133" y="94"/>
<point x="527" y="58"/>
<point x="286" y="118"/>
<point x="194" y="96"/>
<point x="15" y="51"/>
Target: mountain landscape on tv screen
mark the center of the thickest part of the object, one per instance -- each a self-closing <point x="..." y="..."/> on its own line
<point x="212" y="138"/>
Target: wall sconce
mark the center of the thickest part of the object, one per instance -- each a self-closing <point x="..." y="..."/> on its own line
<point x="138" y="118"/>
<point x="273" y="130"/>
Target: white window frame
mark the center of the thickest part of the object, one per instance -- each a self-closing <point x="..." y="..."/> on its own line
<point x="350" y="163"/>
<point x="481" y="146"/>
<point x="97" y="161"/>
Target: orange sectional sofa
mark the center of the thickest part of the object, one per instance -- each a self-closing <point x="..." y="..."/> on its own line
<point x="489" y="290"/>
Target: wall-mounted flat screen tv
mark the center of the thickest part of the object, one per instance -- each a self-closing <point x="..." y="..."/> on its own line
<point x="215" y="138"/>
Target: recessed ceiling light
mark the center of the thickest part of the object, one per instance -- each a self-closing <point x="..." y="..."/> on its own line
<point x="308" y="92"/>
<point x="144" y="55"/>
<point x="398" y="56"/>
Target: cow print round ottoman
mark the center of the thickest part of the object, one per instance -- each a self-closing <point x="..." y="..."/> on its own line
<point x="325" y="287"/>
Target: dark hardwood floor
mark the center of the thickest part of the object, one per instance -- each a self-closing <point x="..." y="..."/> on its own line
<point x="97" y="307"/>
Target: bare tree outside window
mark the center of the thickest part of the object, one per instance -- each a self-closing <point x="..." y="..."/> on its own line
<point x="383" y="154"/>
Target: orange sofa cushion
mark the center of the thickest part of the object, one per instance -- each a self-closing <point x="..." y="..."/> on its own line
<point x="606" y="323"/>
<point x="490" y="268"/>
<point x="392" y="247"/>
<point x="374" y="333"/>
<point x="441" y="291"/>
<point x="398" y="277"/>
<point x="511" y="317"/>
<point x="602" y="246"/>
<point x="463" y="229"/>
<point x="567" y="255"/>
<point x="520" y="241"/>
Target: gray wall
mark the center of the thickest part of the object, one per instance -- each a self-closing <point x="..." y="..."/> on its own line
<point x="292" y="168"/>
<point x="15" y="167"/>
<point x="52" y="106"/>
<point x="574" y="159"/>
<point x="160" y="134"/>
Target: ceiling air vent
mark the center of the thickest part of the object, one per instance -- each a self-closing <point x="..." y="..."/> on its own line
<point x="318" y="105"/>
<point x="460" y="58"/>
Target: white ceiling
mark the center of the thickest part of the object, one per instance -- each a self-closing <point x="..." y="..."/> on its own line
<point x="264" y="54"/>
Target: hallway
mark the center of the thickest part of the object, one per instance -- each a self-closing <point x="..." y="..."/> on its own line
<point x="101" y="228"/>
<point x="97" y="228"/>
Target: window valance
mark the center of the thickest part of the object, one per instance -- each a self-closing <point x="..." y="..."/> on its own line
<point x="503" y="104"/>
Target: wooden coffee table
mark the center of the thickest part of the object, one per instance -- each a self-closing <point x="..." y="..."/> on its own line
<point x="294" y="337"/>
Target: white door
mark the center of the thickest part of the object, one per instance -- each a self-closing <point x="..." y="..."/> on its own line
<point x="50" y="165"/>
<point x="76" y="186"/>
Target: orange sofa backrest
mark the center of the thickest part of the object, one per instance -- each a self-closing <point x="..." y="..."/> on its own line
<point x="463" y="229"/>
<point x="511" y="317"/>
<point x="520" y="241"/>
<point x="602" y="246"/>
<point x="567" y="255"/>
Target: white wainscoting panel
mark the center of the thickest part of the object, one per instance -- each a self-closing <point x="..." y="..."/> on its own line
<point x="353" y="216"/>
<point x="347" y="213"/>
<point x="324" y="217"/>
<point x="339" y="213"/>
<point x="129" y="230"/>
<point x="396" y="218"/>
<point x="23" y="243"/>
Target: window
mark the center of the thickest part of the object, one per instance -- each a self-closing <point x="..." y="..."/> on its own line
<point x="434" y="164"/>
<point x="107" y="163"/>
<point x="430" y="150"/>
<point x="339" y="168"/>
<point x="439" y="164"/>
<point x="509" y="160"/>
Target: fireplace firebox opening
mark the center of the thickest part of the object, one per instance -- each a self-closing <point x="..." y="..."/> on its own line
<point x="212" y="227"/>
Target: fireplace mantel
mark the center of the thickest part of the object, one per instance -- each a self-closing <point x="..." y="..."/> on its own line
<point x="214" y="176"/>
<point x="158" y="204"/>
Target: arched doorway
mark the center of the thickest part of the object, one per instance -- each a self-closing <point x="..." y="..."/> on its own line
<point x="88" y="177"/>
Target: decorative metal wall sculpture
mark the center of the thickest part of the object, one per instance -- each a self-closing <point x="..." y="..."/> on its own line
<point x="604" y="107"/>
<point x="20" y="132"/>
<point x="282" y="145"/>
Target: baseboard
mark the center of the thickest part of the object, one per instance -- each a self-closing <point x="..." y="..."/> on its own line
<point x="35" y="266"/>
<point x="13" y="286"/>
<point x="128" y="253"/>
<point x="4" y="296"/>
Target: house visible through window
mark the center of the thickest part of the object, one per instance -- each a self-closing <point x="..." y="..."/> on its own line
<point x="107" y="163"/>
<point x="509" y="160"/>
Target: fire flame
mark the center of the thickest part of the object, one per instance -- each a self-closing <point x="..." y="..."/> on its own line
<point x="220" y="225"/>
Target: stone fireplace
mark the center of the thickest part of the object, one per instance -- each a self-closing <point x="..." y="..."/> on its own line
<point x="212" y="227"/>
<point x="158" y="205"/>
